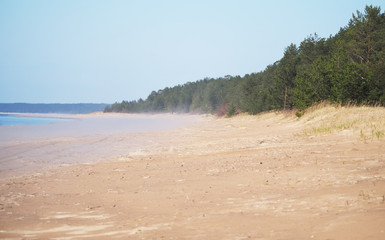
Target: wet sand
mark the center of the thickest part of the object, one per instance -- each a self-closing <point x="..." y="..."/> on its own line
<point x="248" y="177"/>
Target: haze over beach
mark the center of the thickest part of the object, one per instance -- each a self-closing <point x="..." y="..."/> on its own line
<point x="198" y="120"/>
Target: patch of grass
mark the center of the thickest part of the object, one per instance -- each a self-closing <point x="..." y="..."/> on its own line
<point x="363" y="137"/>
<point x="367" y="122"/>
<point x="380" y="134"/>
<point x="329" y="128"/>
<point x="299" y="114"/>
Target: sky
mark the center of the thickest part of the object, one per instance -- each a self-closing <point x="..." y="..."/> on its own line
<point x="93" y="51"/>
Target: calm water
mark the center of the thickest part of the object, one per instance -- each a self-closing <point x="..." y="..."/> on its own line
<point x="12" y="120"/>
<point x="34" y="145"/>
<point x="13" y="128"/>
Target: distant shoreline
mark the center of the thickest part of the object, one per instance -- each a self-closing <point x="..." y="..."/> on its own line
<point x="52" y="108"/>
<point x="41" y="115"/>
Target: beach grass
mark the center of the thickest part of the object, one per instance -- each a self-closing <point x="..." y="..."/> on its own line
<point x="366" y="122"/>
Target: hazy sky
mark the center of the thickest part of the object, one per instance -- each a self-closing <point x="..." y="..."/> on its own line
<point x="67" y="51"/>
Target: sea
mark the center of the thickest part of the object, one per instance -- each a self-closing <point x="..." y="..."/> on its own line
<point x="14" y="120"/>
<point x="42" y="141"/>
<point x="15" y="127"/>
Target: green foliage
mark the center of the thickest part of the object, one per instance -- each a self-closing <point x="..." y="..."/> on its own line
<point x="346" y="68"/>
<point x="255" y="91"/>
<point x="299" y="114"/>
<point x="284" y="78"/>
<point x="231" y="111"/>
<point x="350" y="68"/>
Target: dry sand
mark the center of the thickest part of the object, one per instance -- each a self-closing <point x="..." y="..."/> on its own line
<point x="247" y="177"/>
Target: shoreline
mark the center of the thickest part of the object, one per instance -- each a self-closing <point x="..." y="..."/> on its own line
<point x="40" y="115"/>
<point x="227" y="178"/>
<point x="89" y="139"/>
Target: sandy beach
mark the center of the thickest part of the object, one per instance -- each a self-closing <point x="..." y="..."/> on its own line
<point x="269" y="176"/>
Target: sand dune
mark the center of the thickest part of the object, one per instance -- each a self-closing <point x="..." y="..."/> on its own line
<point x="269" y="176"/>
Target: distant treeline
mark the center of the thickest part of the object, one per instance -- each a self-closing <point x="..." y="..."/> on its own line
<point x="77" y="108"/>
<point x="348" y="67"/>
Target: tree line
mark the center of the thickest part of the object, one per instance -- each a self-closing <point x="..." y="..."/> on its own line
<point x="348" y="67"/>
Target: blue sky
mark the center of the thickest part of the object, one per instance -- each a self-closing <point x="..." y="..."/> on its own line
<point x="70" y="51"/>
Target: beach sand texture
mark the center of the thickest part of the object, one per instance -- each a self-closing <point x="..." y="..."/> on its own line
<point x="269" y="176"/>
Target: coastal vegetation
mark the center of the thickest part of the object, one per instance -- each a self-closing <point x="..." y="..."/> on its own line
<point x="364" y="122"/>
<point x="347" y="68"/>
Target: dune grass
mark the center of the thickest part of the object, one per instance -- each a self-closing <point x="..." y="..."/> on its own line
<point x="367" y="122"/>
